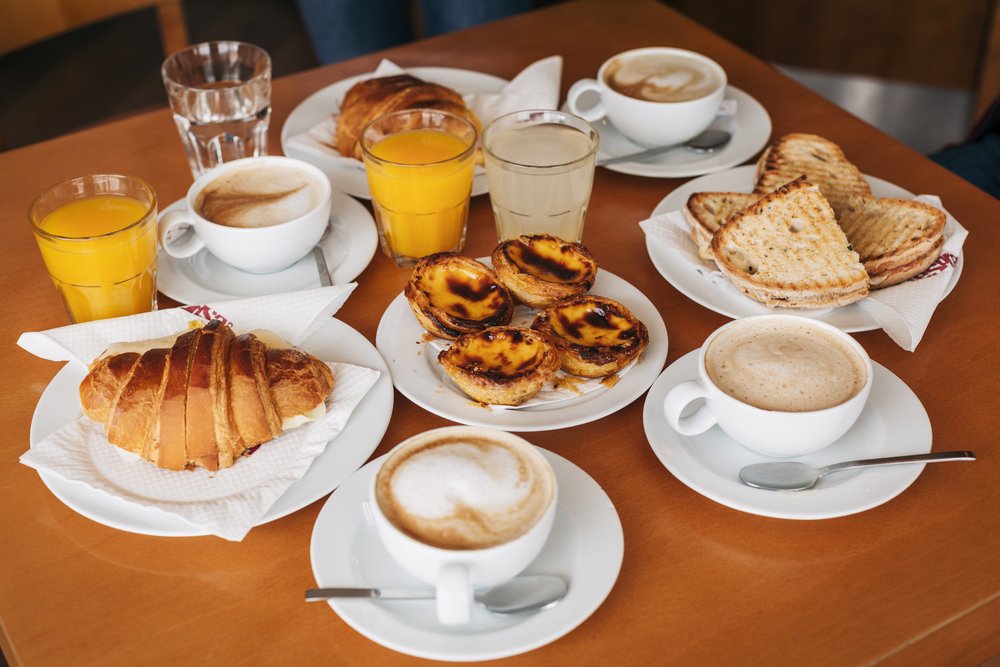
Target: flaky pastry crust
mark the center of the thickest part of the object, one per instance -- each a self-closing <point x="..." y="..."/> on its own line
<point x="595" y="336"/>
<point x="452" y="295"/>
<point x="501" y="365"/>
<point x="540" y="270"/>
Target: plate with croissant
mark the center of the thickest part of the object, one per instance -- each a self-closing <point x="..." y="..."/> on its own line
<point x="324" y="129"/>
<point x="209" y="401"/>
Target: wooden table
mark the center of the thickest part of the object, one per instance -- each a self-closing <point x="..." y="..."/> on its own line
<point x="916" y="580"/>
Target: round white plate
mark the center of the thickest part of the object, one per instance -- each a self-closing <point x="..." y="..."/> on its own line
<point x="335" y="341"/>
<point x="400" y="339"/>
<point x="693" y="283"/>
<point x="751" y="128"/>
<point x="585" y="548"/>
<point x="893" y="423"/>
<point x="317" y="107"/>
<point x="348" y="248"/>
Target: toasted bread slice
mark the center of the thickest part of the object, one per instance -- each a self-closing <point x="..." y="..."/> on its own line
<point x="822" y="162"/>
<point x="788" y="250"/>
<point x="707" y="211"/>
<point x="895" y="238"/>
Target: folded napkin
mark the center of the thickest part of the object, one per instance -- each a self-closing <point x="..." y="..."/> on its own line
<point x="903" y="311"/>
<point x="228" y="502"/>
<point x="536" y="87"/>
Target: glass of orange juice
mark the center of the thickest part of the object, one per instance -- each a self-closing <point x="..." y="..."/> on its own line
<point x="419" y="164"/>
<point x="97" y="236"/>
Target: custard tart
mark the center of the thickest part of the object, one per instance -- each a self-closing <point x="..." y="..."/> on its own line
<point x="452" y="295"/>
<point x="501" y="365"/>
<point x="541" y="269"/>
<point x="595" y="336"/>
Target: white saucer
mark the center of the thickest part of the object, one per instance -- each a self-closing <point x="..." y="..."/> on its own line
<point x="400" y="339"/>
<point x="350" y="177"/>
<point x="751" y="128"/>
<point x="585" y="548"/>
<point x="694" y="283"/>
<point x="349" y="248"/>
<point x="893" y="423"/>
<point x="59" y="405"/>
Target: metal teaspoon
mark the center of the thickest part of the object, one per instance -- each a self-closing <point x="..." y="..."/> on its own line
<point x="706" y="142"/>
<point x="795" y="476"/>
<point x="529" y="592"/>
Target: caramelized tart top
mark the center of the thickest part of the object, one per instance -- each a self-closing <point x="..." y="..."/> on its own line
<point x="551" y="259"/>
<point x="591" y="321"/>
<point x="500" y="352"/>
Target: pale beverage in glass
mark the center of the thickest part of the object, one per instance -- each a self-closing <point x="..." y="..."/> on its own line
<point x="419" y="165"/>
<point x="97" y="236"/>
<point x="540" y="166"/>
<point x="220" y="93"/>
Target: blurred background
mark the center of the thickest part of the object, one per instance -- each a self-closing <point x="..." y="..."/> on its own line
<point x="921" y="70"/>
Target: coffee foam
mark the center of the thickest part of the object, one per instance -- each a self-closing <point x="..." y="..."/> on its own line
<point x="258" y="196"/>
<point x="661" y="78"/>
<point x="789" y="367"/>
<point x="463" y="492"/>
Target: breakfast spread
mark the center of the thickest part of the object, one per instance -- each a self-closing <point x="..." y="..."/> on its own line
<point x="540" y="270"/>
<point x="205" y="399"/>
<point x="373" y="98"/>
<point x="770" y="244"/>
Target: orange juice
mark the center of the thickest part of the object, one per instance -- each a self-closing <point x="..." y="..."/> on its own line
<point x="100" y="251"/>
<point x="420" y="181"/>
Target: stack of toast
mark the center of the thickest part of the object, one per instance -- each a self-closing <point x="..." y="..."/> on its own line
<point x="812" y="235"/>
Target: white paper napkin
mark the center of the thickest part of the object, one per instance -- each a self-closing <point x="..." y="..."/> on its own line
<point x="229" y="502"/>
<point x="536" y="87"/>
<point x="903" y="311"/>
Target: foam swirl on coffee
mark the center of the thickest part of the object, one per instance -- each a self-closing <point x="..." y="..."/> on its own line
<point x="258" y="196"/>
<point x="463" y="492"/>
<point x="661" y="78"/>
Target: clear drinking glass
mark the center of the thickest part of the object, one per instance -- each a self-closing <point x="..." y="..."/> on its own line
<point x="540" y="168"/>
<point x="419" y="165"/>
<point x="97" y="236"/>
<point x="220" y="93"/>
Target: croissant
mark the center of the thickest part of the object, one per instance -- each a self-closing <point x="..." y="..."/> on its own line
<point x="204" y="401"/>
<point x="373" y="98"/>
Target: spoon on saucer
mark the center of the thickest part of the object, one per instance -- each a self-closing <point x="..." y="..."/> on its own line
<point x="795" y="476"/>
<point x="707" y="142"/>
<point x="320" y="259"/>
<point x="528" y="592"/>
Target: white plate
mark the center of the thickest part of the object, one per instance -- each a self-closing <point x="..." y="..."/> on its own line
<point x="696" y="286"/>
<point x="335" y="341"/>
<point x="585" y="548"/>
<point x="348" y="248"/>
<point x="321" y="104"/>
<point x="892" y="423"/>
<point x="751" y="128"/>
<point x="400" y="339"/>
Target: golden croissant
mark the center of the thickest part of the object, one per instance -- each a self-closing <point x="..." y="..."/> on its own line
<point x="374" y="98"/>
<point x="204" y="401"/>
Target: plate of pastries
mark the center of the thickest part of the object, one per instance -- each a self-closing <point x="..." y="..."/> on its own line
<point x="335" y="116"/>
<point x="802" y="230"/>
<point x="534" y="337"/>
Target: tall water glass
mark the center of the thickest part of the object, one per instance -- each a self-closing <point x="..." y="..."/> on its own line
<point x="220" y="93"/>
<point x="540" y="167"/>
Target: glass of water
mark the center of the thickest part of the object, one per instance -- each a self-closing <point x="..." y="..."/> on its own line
<point x="220" y="93"/>
<point x="540" y="167"/>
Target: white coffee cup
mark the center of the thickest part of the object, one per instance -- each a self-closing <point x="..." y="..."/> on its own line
<point x="258" y="249"/>
<point x="646" y="122"/>
<point x="832" y="366"/>
<point x="456" y="572"/>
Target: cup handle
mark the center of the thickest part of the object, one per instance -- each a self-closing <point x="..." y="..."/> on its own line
<point x="679" y="398"/>
<point x="454" y="594"/>
<point x="590" y="114"/>
<point x="177" y="236"/>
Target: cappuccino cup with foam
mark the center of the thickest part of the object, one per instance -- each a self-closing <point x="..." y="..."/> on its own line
<point x="462" y="508"/>
<point x="780" y="385"/>
<point x="655" y="96"/>
<point x="258" y="214"/>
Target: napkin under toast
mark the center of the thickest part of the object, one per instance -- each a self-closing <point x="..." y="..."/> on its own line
<point x="788" y="250"/>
